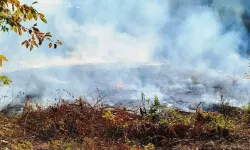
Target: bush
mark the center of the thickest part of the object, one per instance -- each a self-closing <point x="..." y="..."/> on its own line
<point x="78" y="125"/>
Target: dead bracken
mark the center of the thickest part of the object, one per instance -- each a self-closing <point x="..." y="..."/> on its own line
<point x="78" y="125"/>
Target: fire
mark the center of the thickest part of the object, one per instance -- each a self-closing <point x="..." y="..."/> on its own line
<point x="119" y="85"/>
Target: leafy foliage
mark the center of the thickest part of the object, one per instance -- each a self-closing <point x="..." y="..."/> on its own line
<point x="155" y="106"/>
<point x="246" y="113"/>
<point x="5" y="80"/>
<point x="23" y="146"/>
<point x="13" y="15"/>
<point x="2" y="58"/>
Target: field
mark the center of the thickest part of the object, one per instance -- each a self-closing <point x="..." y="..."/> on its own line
<point x="79" y="125"/>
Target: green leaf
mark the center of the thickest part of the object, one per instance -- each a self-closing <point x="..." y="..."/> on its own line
<point x="31" y="47"/>
<point x="43" y="19"/>
<point x="34" y="2"/>
<point x="2" y="57"/>
<point x="30" y="31"/>
<point x="5" y="80"/>
<point x="1" y="60"/>
<point x="55" y="46"/>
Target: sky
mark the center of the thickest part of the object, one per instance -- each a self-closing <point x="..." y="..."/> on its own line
<point x="203" y="35"/>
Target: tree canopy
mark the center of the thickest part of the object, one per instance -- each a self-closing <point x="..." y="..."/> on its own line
<point x="13" y="15"/>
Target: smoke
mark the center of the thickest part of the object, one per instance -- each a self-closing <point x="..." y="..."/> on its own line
<point x="199" y="42"/>
<point x="187" y="32"/>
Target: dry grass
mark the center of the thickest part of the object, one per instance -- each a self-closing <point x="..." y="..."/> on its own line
<point x="78" y="125"/>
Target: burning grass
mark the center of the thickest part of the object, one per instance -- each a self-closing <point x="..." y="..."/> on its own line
<point x="78" y="125"/>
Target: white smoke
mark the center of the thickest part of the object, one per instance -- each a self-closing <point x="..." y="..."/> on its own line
<point x="201" y="42"/>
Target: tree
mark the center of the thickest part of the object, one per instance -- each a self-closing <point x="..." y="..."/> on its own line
<point x="13" y="15"/>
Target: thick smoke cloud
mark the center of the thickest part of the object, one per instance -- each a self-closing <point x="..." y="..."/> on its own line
<point x="199" y="42"/>
<point x="140" y="31"/>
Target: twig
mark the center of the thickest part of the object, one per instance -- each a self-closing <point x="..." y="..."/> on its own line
<point x="178" y="141"/>
<point x="198" y="107"/>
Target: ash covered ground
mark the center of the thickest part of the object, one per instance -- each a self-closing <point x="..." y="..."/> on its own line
<point x="118" y="84"/>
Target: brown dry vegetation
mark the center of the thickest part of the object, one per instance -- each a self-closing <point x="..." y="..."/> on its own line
<point x="78" y="125"/>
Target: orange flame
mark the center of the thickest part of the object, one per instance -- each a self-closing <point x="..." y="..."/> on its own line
<point x="120" y="85"/>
